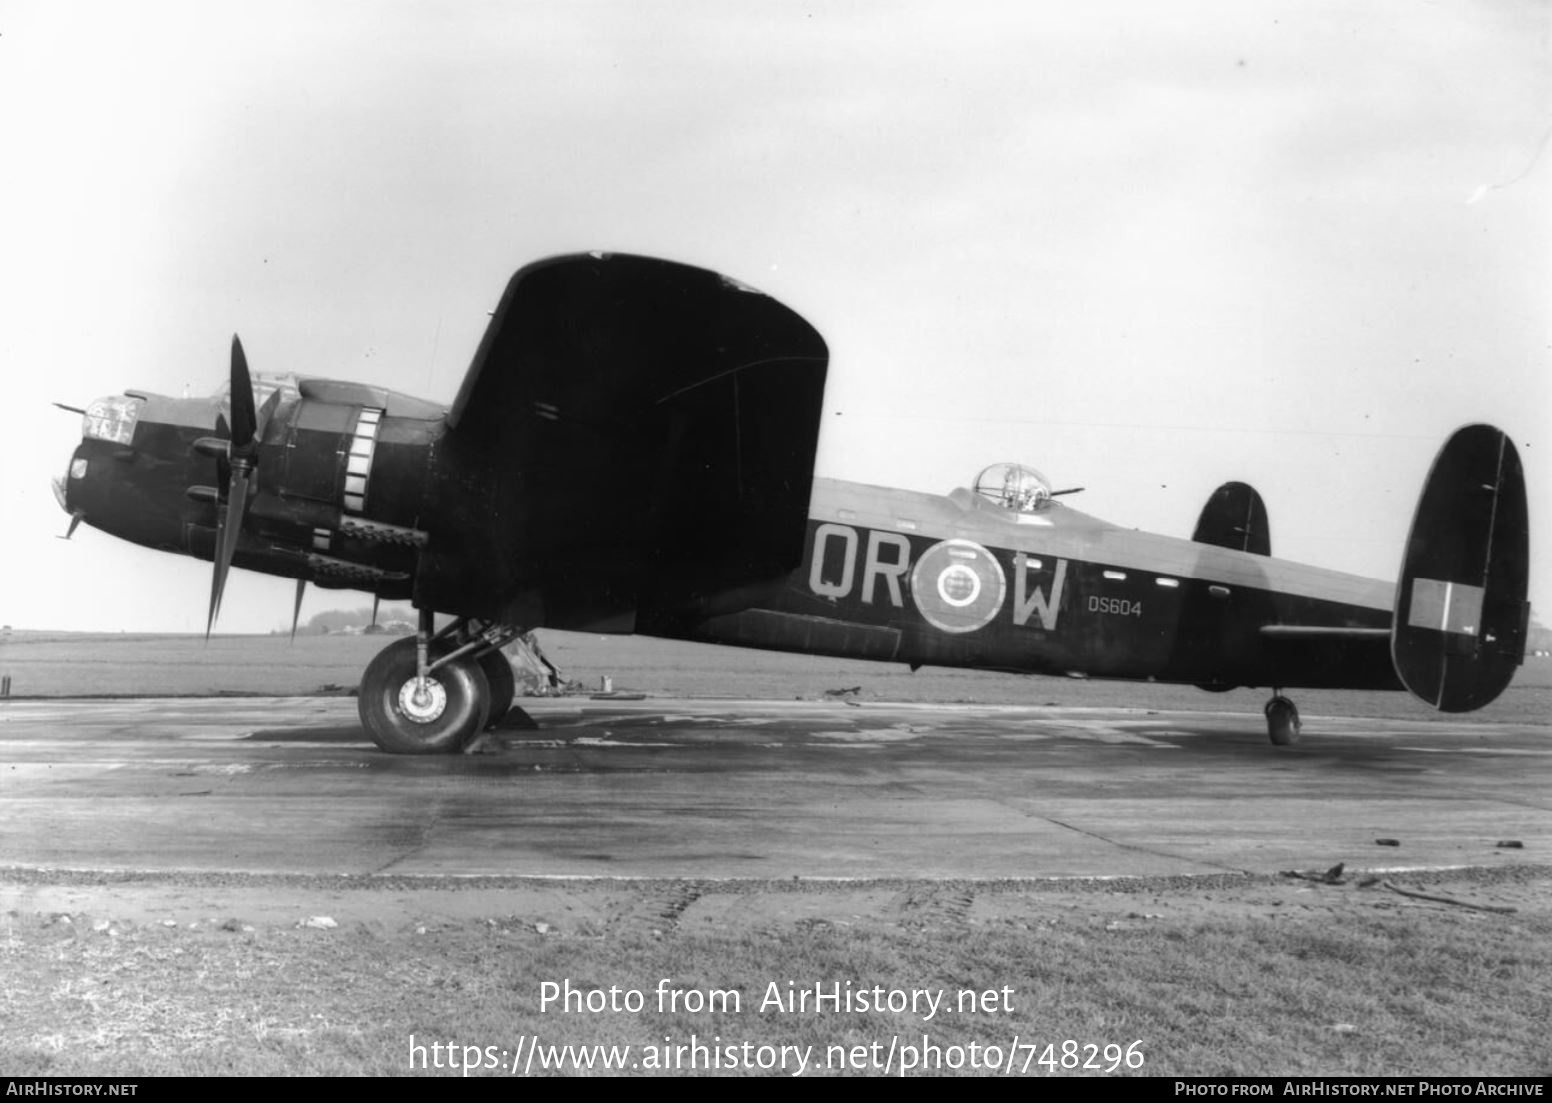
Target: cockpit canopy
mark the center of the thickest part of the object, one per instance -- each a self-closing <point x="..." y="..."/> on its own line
<point x="1014" y="487"/>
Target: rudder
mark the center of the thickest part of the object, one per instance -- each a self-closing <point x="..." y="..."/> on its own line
<point x="1461" y="615"/>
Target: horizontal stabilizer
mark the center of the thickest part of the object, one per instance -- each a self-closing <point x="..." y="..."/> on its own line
<point x="1461" y="616"/>
<point x="1321" y="632"/>
<point x="1235" y="517"/>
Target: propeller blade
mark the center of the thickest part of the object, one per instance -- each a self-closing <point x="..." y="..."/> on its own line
<point x="227" y="531"/>
<point x="376" y="600"/>
<point x="235" y="464"/>
<point x="244" y="418"/>
<point x="224" y="456"/>
<point x="296" y="611"/>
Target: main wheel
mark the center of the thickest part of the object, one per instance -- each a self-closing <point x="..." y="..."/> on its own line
<point x="503" y="684"/>
<point x="1282" y="721"/>
<point x="437" y="717"/>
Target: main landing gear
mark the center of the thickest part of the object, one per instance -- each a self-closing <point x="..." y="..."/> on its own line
<point x="1282" y="720"/>
<point x="434" y="693"/>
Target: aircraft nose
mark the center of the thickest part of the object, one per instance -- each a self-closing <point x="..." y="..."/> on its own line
<point x="73" y="474"/>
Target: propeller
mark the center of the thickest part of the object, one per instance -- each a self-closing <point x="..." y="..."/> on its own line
<point x="240" y="451"/>
<point x="296" y="609"/>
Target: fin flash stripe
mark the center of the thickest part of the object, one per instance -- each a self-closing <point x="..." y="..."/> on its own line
<point x="1446" y="606"/>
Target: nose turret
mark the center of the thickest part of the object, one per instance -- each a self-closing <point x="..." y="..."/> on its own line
<point x="112" y="419"/>
<point x="107" y="442"/>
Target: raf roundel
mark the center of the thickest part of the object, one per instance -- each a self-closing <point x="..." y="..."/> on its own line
<point x="958" y="586"/>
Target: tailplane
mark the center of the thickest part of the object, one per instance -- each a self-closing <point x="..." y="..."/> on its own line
<point x="1461" y="615"/>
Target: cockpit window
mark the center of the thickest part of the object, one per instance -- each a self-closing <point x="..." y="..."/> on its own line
<point x="112" y="419"/>
<point x="1015" y="487"/>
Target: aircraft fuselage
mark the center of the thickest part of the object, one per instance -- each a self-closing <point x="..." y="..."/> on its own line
<point x="955" y="581"/>
<point x="142" y="476"/>
<point x="352" y="495"/>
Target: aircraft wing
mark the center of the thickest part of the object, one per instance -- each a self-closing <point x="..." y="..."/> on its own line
<point x="648" y="432"/>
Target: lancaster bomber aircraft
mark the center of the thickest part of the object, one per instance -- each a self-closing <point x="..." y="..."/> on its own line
<point x="632" y="450"/>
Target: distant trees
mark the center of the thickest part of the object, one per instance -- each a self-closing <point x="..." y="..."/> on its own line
<point x="337" y="620"/>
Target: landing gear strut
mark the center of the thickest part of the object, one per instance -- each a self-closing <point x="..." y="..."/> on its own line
<point x="1282" y="720"/>
<point x="434" y="693"/>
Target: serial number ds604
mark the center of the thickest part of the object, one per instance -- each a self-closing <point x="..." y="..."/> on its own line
<point x="1115" y="606"/>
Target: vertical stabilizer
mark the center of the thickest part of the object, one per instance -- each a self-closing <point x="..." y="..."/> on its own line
<point x="1235" y="517"/>
<point x="1461" y="616"/>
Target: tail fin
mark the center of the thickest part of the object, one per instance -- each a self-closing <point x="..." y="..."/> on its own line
<point x="1235" y="517"/>
<point x="1461" y="616"/>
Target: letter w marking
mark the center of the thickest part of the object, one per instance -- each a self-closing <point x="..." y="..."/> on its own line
<point x="1027" y="599"/>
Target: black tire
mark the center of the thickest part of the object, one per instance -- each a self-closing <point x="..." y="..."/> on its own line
<point x="503" y="685"/>
<point x="455" y="711"/>
<point x="1282" y="722"/>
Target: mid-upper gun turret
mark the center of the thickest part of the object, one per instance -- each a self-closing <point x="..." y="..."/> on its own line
<point x="1018" y="488"/>
<point x="1014" y="487"/>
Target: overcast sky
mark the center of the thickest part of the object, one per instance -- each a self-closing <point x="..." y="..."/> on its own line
<point x="1143" y="247"/>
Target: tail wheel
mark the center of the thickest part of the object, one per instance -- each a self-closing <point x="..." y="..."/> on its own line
<point x="405" y="715"/>
<point x="503" y="684"/>
<point x="1282" y="721"/>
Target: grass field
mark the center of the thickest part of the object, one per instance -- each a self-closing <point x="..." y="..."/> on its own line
<point x="1350" y="982"/>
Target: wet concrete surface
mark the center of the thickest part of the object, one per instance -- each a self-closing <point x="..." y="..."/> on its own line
<point x="711" y="789"/>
